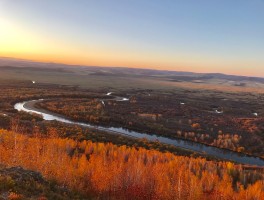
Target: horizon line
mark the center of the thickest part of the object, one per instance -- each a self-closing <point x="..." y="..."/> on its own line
<point x="122" y="67"/>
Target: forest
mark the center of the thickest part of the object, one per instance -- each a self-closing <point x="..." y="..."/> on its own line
<point x="176" y="115"/>
<point x="84" y="163"/>
<point x="107" y="171"/>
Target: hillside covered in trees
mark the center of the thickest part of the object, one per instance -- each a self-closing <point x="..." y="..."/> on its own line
<point x="106" y="171"/>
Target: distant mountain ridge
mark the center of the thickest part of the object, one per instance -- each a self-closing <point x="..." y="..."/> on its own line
<point x="6" y="63"/>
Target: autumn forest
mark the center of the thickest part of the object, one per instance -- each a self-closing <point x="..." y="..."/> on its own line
<point x="63" y="141"/>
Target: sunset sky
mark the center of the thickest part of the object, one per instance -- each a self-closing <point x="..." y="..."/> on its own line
<point x="183" y="35"/>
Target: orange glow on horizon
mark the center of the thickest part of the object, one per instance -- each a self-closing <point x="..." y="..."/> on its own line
<point x="19" y="43"/>
<point x="68" y="60"/>
<point x="27" y="31"/>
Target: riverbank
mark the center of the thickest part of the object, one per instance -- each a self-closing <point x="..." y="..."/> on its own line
<point x="189" y="145"/>
<point x="31" y="106"/>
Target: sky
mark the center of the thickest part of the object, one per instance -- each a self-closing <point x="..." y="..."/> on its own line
<point x="225" y="36"/>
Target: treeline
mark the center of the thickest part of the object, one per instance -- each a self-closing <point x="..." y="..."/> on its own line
<point x="32" y="125"/>
<point x="169" y="120"/>
<point x="107" y="171"/>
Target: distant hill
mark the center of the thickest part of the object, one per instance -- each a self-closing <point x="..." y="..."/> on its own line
<point x="178" y="76"/>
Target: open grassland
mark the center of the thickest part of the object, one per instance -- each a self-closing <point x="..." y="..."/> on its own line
<point x="89" y="79"/>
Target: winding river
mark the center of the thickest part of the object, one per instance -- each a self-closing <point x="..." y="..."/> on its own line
<point x="28" y="106"/>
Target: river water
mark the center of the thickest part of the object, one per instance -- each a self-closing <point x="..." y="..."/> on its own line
<point x="185" y="144"/>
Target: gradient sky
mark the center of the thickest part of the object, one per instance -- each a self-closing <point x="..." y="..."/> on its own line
<point x="189" y="35"/>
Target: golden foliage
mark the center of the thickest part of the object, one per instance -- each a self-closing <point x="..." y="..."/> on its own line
<point x="111" y="172"/>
